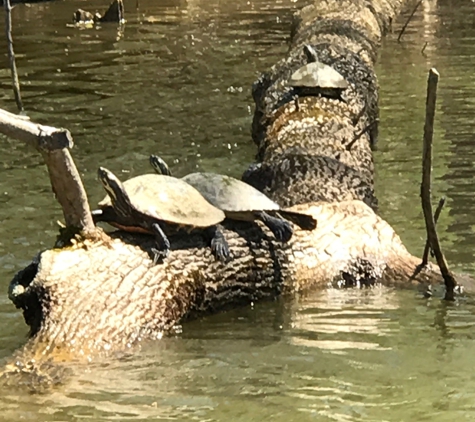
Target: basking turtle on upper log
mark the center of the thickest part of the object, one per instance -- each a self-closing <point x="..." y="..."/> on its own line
<point x="241" y="201"/>
<point x="317" y="79"/>
<point x="158" y="205"/>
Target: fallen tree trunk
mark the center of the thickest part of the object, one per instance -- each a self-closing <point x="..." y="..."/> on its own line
<point x="103" y="294"/>
<point x="117" y="296"/>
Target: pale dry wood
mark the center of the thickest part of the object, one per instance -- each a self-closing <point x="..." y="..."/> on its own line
<point x="54" y="144"/>
<point x="40" y="137"/>
<point x="115" y="297"/>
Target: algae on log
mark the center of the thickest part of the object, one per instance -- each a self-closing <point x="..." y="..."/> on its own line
<point x="101" y="295"/>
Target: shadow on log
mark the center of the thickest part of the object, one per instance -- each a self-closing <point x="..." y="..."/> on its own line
<point x="102" y="294"/>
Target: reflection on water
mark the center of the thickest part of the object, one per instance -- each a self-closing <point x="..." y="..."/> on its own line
<point x="403" y="358"/>
<point x="176" y="82"/>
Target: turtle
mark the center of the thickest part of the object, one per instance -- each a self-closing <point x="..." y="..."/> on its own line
<point x="159" y="205"/>
<point x="317" y="79"/>
<point x="241" y="201"/>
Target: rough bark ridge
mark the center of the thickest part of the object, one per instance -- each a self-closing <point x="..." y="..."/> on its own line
<point x="324" y="142"/>
<point x="126" y="298"/>
<point x="98" y="295"/>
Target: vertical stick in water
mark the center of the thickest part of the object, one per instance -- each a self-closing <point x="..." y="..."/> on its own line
<point x="449" y="279"/>
<point x="11" y="54"/>
<point x="438" y="210"/>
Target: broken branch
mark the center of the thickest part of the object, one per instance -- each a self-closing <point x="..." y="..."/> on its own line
<point x="438" y="210"/>
<point x="449" y="279"/>
<point x="54" y="144"/>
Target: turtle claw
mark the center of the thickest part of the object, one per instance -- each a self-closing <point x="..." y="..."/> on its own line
<point x="281" y="228"/>
<point x="163" y="245"/>
<point x="283" y="232"/>
<point x="158" y="256"/>
<point x="220" y="250"/>
<point x="219" y="245"/>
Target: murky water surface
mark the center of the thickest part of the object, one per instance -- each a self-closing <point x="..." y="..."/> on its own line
<point x="176" y="81"/>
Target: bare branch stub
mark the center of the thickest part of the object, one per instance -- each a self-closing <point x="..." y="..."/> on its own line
<point x="40" y="137"/>
<point x="449" y="279"/>
<point x="54" y="145"/>
<point x="51" y="139"/>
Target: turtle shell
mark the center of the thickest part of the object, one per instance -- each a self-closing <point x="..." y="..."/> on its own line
<point x="169" y="199"/>
<point x="230" y="194"/>
<point x="318" y="75"/>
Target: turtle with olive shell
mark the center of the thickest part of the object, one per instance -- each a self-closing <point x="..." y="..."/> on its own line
<point x="317" y="79"/>
<point x="159" y="205"/>
<point x="241" y="201"/>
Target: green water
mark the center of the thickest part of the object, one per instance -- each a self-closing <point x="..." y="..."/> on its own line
<point x="177" y="82"/>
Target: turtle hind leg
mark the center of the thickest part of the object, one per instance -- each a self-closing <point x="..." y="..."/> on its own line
<point x="304" y="221"/>
<point x="219" y="245"/>
<point x="281" y="228"/>
<point x="163" y="244"/>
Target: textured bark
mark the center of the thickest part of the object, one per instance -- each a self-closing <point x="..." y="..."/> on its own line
<point x="103" y="294"/>
<point x="117" y="297"/>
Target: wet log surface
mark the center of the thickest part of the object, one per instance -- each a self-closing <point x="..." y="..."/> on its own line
<point x="103" y="293"/>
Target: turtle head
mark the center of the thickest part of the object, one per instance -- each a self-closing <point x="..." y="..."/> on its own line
<point x="110" y="182"/>
<point x="115" y="190"/>
<point x="159" y="165"/>
<point x="310" y="53"/>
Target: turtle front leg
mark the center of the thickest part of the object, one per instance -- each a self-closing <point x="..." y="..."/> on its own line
<point x="163" y="244"/>
<point x="106" y="214"/>
<point x="219" y="245"/>
<point x="281" y="228"/>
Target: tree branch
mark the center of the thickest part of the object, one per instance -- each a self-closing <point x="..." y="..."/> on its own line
<point x="449" y="279"/>
<point x="438" y="210"/>
<point x="53" y="144"/>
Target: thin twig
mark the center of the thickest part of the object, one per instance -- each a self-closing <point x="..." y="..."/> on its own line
<point x="438" y="210"/>
<point x="449" y="279"/>
<point x="11" y="54"/>
<point x="408" y="20"/>
<point x="424" y="48"/>
<point x="366" y="129"/>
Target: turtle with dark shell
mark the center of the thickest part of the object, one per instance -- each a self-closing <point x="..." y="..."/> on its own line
<point x="241" y="201"/>
<point x="161" y="206"/>
<point x="316" y="78"/>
